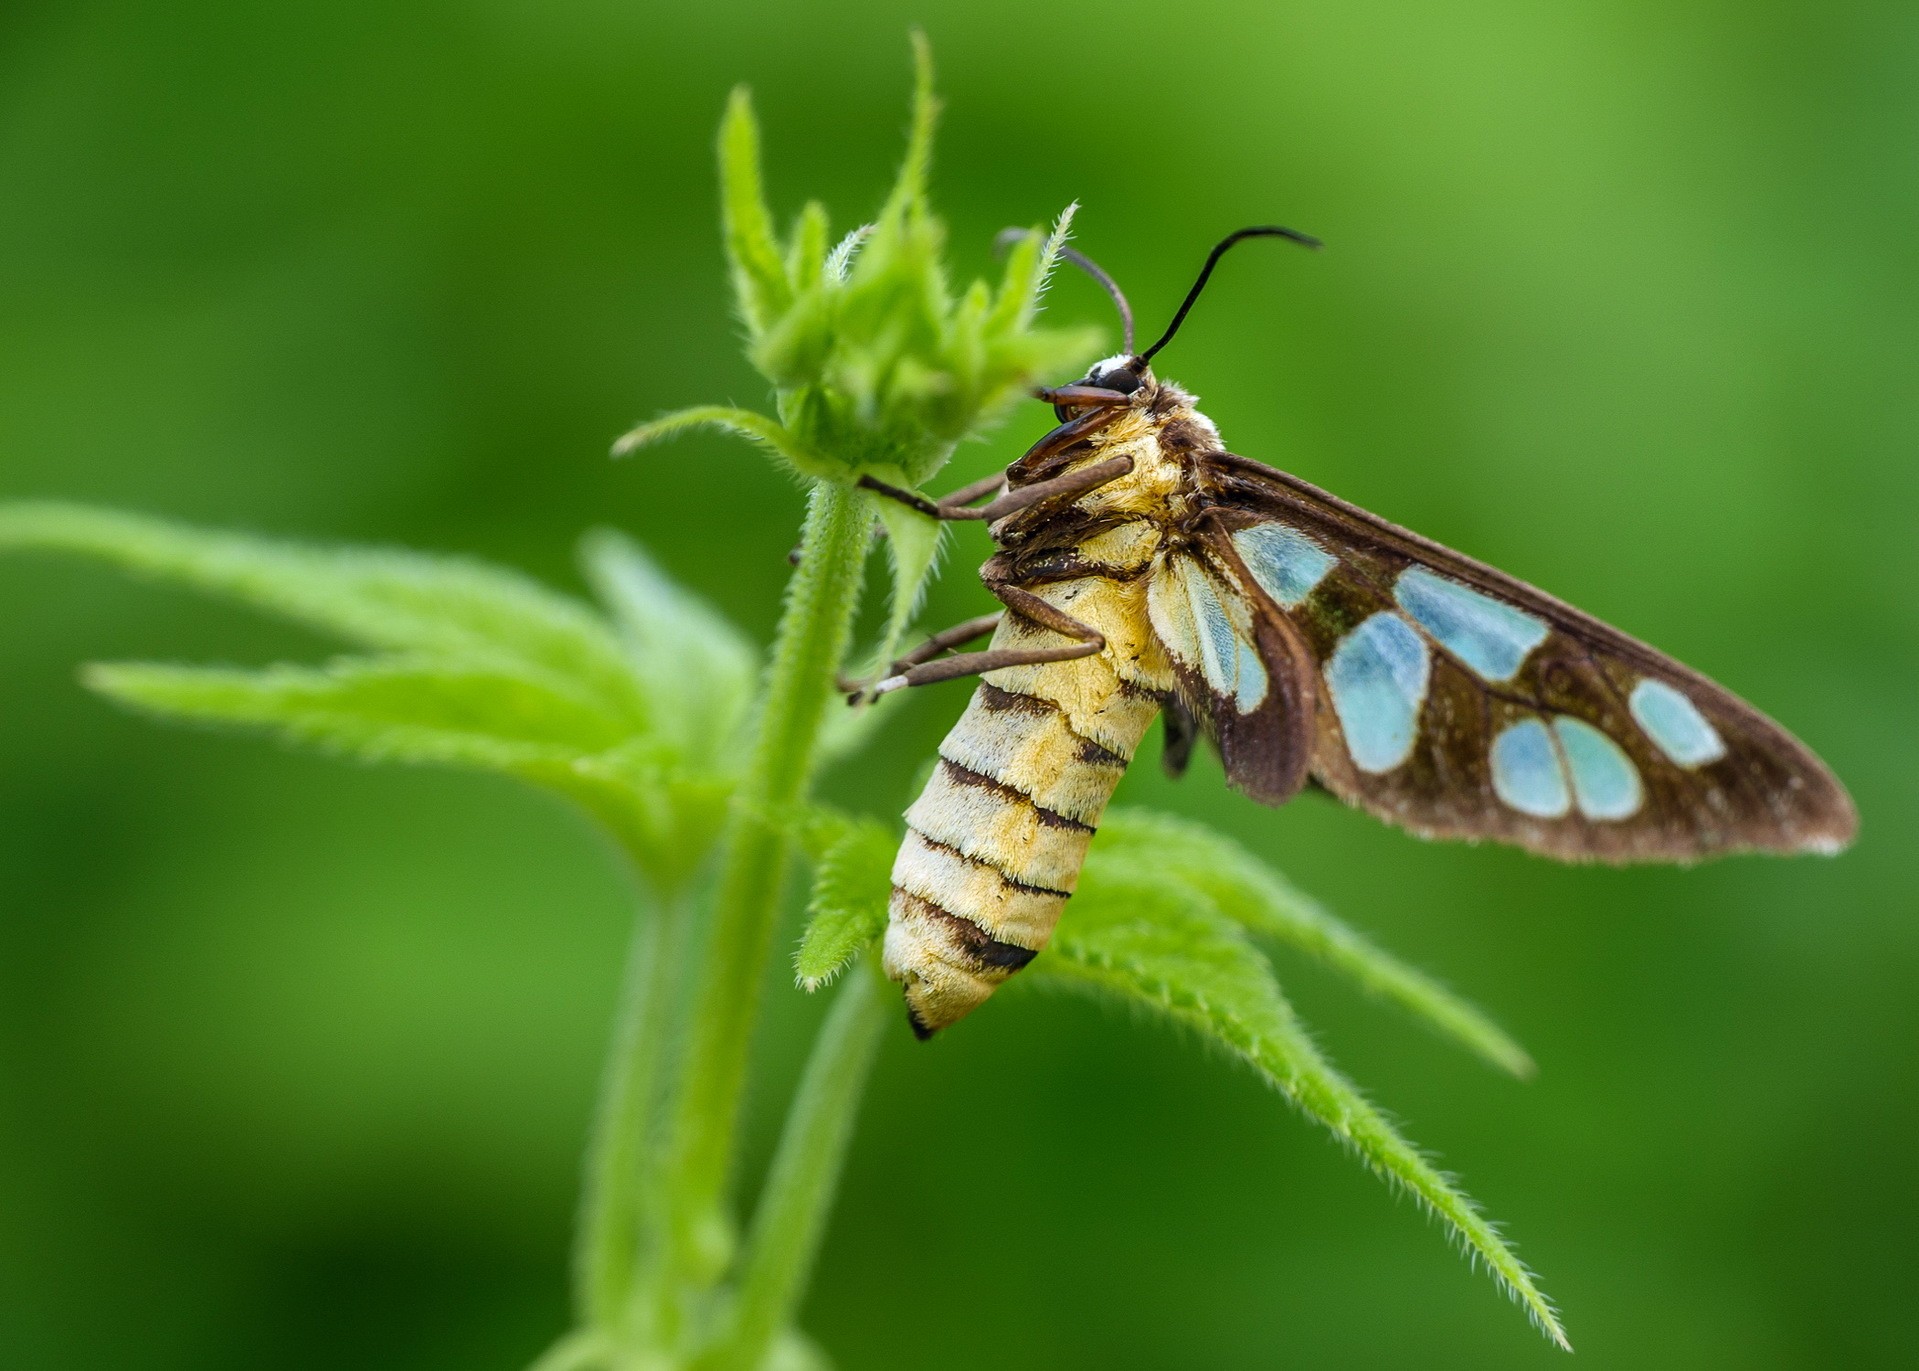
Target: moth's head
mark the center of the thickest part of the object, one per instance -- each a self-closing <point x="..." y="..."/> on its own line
<point x="1123" y="373"/>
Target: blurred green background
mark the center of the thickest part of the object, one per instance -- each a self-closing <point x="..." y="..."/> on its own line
<point x="296" y="1058"/>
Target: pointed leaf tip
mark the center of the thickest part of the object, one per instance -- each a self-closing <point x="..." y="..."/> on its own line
<point x="759" y="276"/>
<point x="1167" y="946"/>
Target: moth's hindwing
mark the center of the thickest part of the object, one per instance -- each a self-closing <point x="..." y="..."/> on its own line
<point x="1457" y="702"/>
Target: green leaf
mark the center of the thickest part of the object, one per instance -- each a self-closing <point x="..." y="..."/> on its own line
<point x="806" y="259"/>
<point x="852" y="879"/>
<point x="840" y="260"/>
<point x="908" y="196"/>
<point x="471" y="715"/>
<point x="373" y="597"/>
<point x="382" y="709"/>
<point x="697" y="670"/>
<point x="1175" y="952"/>
<point x="874" y="360"/>
<point x="1140" y="843"/>
<point x="759" y="278"/>
<point x="913" y="548"/>
<point x="1029" y="271"/>
<point x="768" y="433"/>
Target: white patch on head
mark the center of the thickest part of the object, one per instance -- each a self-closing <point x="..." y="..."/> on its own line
<point x="1378" y="676"/>
<point x="1526" y="772"/>
<point x="1605" y="782"/>
<point x="1286" y="563"/>
<point x="1488" y="635"/>
<point x="1674" y="724"/>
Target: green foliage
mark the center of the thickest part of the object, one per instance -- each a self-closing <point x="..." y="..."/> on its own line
<point x="846" y="911"/>
<point x="372" y="597"/>
<point x="695" y="668"/>
<point x="1140" y="845"/>
<point x="1162" y="943"/>
<point x="876" y="364"/>
<point x="913" y="547"/>
<point x="646" y="715"/>
<point x="636" y="720"/>
<point x="1161" y="920"/>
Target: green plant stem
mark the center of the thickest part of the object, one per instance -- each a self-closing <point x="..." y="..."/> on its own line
<point x="812" y="639"/>
<point x="792" y="1212"/>
<point x="613" y="1197"/>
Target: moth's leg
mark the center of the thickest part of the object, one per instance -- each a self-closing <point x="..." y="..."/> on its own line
<point x="953" y="506"/>
<point x="1021" y="602"/>
<point x="958" y="505"/>
<point x="1182" y="730"/>
<point x="979" y="490"/>
<point x="1055" y="443"/>
<point x="1072" y="483"/>
<point x="946" y="641"/>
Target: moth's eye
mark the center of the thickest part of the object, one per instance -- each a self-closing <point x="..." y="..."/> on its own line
<point x="1119" y="379"/>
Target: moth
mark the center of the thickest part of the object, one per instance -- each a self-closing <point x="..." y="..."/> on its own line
<point x="1146" y="571"/>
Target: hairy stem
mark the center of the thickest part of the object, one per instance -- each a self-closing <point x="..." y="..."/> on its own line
<point x="792" y="1212"/>
<point x="613" y="1197"/>
<point x="812" y="639"/>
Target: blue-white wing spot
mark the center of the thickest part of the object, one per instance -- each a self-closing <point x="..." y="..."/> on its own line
<point x="1286" y="563"/>
<point x="1488" y="635"/>
<point x="1378" y="678"/>
<point x="1226" y="660"/>
<point x="1675" y="725"/>
<point x="1194" y="626"/>
<point x="1605" y="783"/>
<point x="1526" y="772"/>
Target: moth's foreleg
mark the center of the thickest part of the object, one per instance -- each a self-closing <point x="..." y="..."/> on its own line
<point x="979" y="490"/>
<point x="948" y="507"/>
<point x="1073" y="483"/>
<point x="956" y="507"/>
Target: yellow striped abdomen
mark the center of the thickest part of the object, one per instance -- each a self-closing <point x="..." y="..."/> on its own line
<point x="995" y="842"/>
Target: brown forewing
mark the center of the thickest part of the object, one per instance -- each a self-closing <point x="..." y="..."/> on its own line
<point x="1768" y="792"/>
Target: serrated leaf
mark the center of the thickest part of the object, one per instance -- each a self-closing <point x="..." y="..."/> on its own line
<point x="381" y="709"/>
<point x="473" y="716"/>
<point x="1176" y="953"/>
<point x="846" y="912"/>
<point x="373" y="597"/>
<point x="698" y="671"/>
<point x="1138" y="842"/>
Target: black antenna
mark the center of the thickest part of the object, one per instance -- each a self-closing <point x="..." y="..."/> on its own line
<point x="1008" y="237"/>
<point x="1212" y="260"/>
